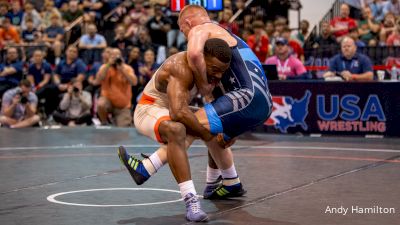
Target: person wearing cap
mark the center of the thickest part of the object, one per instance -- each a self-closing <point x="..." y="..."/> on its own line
<point x="349" y="64"/>
<point x="289" y="67"/>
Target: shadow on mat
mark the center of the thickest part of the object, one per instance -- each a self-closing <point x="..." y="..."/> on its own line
<point x="221" y="217"/>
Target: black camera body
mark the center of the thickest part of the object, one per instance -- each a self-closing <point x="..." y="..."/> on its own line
<point x="23" y="99"/>
<point x="118" y="61"/>
<point x="76" y="90"/>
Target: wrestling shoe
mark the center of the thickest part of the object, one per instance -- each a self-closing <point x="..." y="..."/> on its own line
<point x="225" y="191"/>
<point x="194" y="213"/>
<point x="135" y="166"/>
<point x="210" y="187"/>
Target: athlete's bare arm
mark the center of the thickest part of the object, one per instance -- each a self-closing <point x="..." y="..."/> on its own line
<point x="197" y="38"/>
<point x="178" y="90"/>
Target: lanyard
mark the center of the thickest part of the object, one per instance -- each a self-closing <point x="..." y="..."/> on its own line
<point x="283" y="69"/>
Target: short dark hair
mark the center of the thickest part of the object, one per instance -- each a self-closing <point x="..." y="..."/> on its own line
<point x="25" y="83"/>
<point x="219" y="49"/>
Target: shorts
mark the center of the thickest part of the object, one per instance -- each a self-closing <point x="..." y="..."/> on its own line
<point x="228" y="116"/>
<point x="148" y="117"/>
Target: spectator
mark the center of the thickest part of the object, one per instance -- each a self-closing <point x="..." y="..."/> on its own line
<point x="340" y="26"/>
<point x="8" y="34"/>
<point x="10" y="71"/>
<point x="368" y="28"/>
<point x="325" y="40"/>
<point x="377" y="8"/>
<point x="19" y="107"/>
<point x="392" y="6"/>
<point x="3" y="11"/>
<point x="224" y="22"/>
<point x="131" y="29"/>
<point x="133" y="59"/>
<point x="93" y="86"/>
<point x="387" y="28"/>
<point x="48" y="13"/>
<point x="297" y="50"/>
<point x="39" y="72"/>
<point x="175" y="37"/>
<point x="280" y="25"/>
<point x="75" y="106"/>
<point x="31" y="13"/>
<point x="304" y="31"/>
<point x="116" y="79"/>
<point x="394" y="38"/>
<point x="349" y="64"/>
<point x="123" y="43"/>
<point x="94" y="7"/>
<point x="158" y="27"/>
<point x="289" y="67"/>
<point x="144" y="41"/>
<point x="92" y="43"/>
<point x="71" y="67"/>
<point x="16" y="14"/>
<point x="270" y="30"/>
<point x="73" y="12"/>
<point x="139" y="14"/>
<point x="353" y="33"/>
<point x="148" y="67"/>
<point x="258" y="42"/>
<point x="53" y="37"/>
<point x="28" y="34"/>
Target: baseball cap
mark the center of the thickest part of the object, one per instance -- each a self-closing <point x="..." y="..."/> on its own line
<point x="281" y="40"/>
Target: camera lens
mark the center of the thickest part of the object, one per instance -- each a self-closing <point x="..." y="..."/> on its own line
<point x="76" y="90"/>
<point x="24" y="100"/>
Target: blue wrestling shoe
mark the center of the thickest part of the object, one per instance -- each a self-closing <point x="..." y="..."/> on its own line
<point x="225" y="191"/>
<point x="194" y="213"/>
<point x="210" y="187"/>
<point x="135" y="166"/>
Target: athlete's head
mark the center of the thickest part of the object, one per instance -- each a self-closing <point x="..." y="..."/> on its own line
<point x="190" y="16"/>
<point x="217" y="55"/>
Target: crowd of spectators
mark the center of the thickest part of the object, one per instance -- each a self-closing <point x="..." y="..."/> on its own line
<point x="92" y="58"/>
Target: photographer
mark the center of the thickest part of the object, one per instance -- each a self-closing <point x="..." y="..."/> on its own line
<point x="75" y="105"/>
<point x="116" y="79"/>
<point x="19" y="107"/>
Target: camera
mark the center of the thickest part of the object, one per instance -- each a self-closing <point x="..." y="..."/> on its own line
<point x="76" y="90"/>
<point x="24" y="100"/>
<point x="118" y="61"/>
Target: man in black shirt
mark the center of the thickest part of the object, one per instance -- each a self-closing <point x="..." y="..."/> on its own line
<point x="325" y="40"/>
<point x="121" y="42"/>
<point x="158" y="26"/>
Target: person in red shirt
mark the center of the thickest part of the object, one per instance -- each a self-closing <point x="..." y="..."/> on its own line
<point x="259" y="42"/>
<point x="340" y="26"/>
<point x="297" y="50"/>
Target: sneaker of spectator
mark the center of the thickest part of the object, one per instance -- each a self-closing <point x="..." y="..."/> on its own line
<point x="296" y="48"/>
<point x="258" y="42"/>
<point x="48" y="12"/>
<point x="325" y="40"/>
<point x="19" y="107"/>
<point x="377" y="8"/>
<point x="53" y="37"/>
<point x="92" y="44"/>
<point x="148" y="67"/>
<point x="31" y="13"/>
<point x="353" y="33"/>
<point x="341" y="25"/>
<point x="368" y="27"/>
<point x="116" y="79"/>
<point x="123" y="43"/>
<point x="75" y="106"/>
<point x="16" y="13"/>
<point x="394" y="38"/>
<point x="10" y="71"/>
<point x="387" y="28"/>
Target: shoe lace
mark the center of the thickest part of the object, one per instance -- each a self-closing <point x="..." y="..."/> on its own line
<point x="194" y="204"/>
